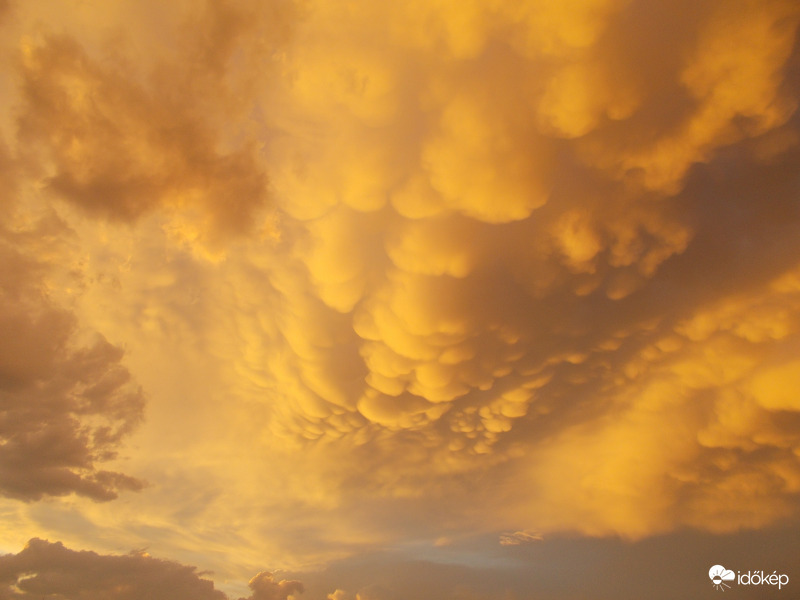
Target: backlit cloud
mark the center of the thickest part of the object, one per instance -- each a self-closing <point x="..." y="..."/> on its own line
<point x="265" y="587"/>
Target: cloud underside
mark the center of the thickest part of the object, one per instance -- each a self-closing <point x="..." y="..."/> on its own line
<point x="534" y="260"/>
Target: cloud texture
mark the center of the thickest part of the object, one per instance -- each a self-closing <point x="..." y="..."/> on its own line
<point x="46" y="570"/>
<point x="503" y="243"/>
<point x="391" y="272"/>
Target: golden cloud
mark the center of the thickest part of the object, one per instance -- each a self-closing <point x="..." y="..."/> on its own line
<point x="536" y="264"/>
<point x="50" y="570"/>
<point x="67" y="401"/>
<point x="503" y="306"/>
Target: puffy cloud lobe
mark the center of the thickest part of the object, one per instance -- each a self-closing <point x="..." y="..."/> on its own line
<point x="632" y="243"/>
<point x="373" y="592"/>
<point x="513" y="257"/>
<point x="265" y="587"/>
<point x="701" y="412"/>
<point x="49" y="571"/>
<point x="477" y="291"/>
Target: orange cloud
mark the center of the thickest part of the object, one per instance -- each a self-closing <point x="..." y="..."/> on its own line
<point x="265" y="587"/>
<point x="490" y="313"/>
<point x="535" y="264"/>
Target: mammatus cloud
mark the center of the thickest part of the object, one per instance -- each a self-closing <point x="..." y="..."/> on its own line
<point x="486" y="267"/>
<point x="473" y="267"/>
<point x="47" y="571"/>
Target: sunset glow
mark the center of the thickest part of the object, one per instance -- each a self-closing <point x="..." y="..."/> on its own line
<point x="430" y="299"/>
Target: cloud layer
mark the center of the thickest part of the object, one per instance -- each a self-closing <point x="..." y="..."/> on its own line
<point x="400" y="272"/>
<point x="495" y="251"/>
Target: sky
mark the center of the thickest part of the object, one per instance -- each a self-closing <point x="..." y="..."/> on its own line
<point x="432" y="299"/>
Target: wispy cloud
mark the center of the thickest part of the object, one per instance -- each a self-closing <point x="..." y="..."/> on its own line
<point x="519" y="537"/>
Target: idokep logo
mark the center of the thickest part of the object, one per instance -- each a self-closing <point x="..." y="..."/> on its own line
<point x="719" y="576"/>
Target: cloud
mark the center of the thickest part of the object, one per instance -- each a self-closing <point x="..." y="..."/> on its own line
<point x="467" y="286"/>
<point x="68" y="401"/>
<point x="484" y="261"/>
<point x="265" y="587"/>
<point x="533" y="269"/>
<point x="49" y="570"/>
<point x="372" y="592"/>
<point x="519" y="537"/>
<point x="172" y="132"/>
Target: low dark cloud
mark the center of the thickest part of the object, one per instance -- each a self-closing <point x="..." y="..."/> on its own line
<point x="660" y="567"/>
<point x="46" y="570"/>
<point x="50" y="571"/>
<point x="119" y="130"/>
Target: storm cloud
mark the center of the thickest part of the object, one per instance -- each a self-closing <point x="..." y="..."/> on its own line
<point x="399" y="274"/>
